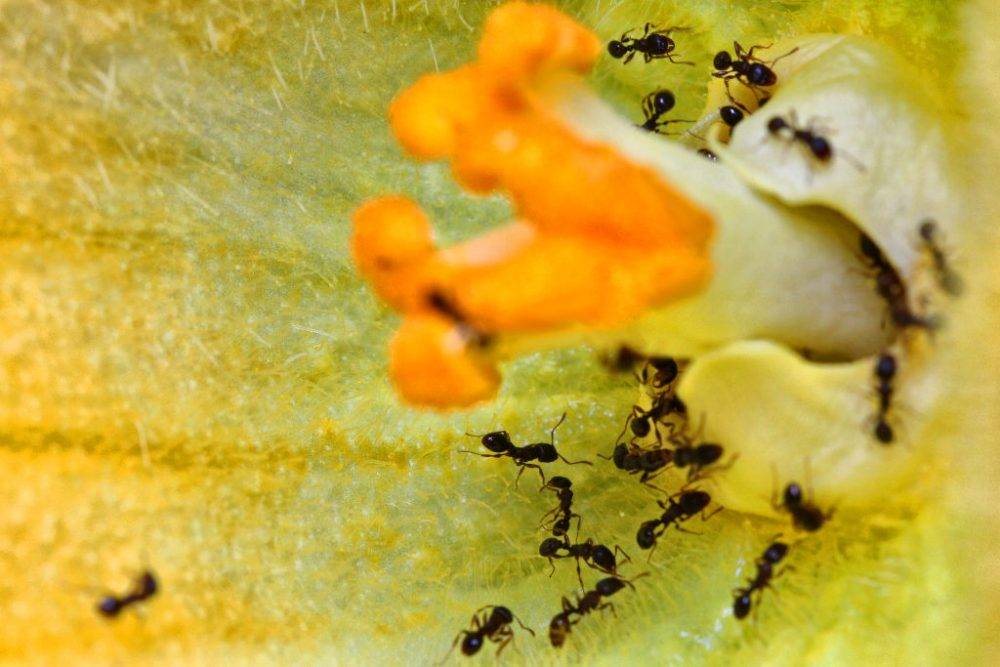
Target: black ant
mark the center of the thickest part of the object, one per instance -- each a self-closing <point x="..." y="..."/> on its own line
<point x="687" y="505"/>
<point x="543" y="452"/>
<point x="818" y="145"/>
<point x="805" y="515"/>
<point x="145" y="587"/>
<point x="654" y="106"/>
<point x="697" y="457"/>
<point x="563" y="622"/>
<point x="948" y="280"/>
<point x="563" y="512"/>
<point x="765" y="573"/>
<point x="596" y="556"/>
<point x="746" y="68"/>
<point x="890" y="287"/>
<point x="641" y="422"/>
<point x="730" y="115"/>
<point x="622" y="360"/>
<point x="445" y="306"/>
<point x="633" y="459"/>
<point x="652" y="45"/>
<point x="885" y="371"/>
<point x="495" y="626"/>
<point x="665" y="370"/>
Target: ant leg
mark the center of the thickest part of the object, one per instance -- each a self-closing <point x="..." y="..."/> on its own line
<point x="567" y="606"/>
<point x="749" y="54"/>
<point x="628" y="58"/>
<point x="506" y="635"/>
<point x="579" y="574"/>
<point x="552" y="433"/>
<point x="774" y="488"/>
<point x="573" y="463"/>
<point x="485" y="456"/>
<point x="677" y="62"/>
<point x="523" y="626"/>
<point x="780" y="57"/>
<point x="618" y="550"/>
<point x="685" y="530"/>
<point x="645" y="30"/>
<point x="706" y="517"/>
<point x="552" y="564"/>
<point x="608" y="605"/>
<point x="461" y="633"/>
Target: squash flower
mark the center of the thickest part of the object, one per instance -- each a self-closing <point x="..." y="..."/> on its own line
<point x="200" y="199"/>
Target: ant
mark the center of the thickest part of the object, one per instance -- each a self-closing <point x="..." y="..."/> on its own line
<point x="818" y="145"/>
<point x="746" y="68"/>
<point x="687" y="505"/>
<point x="145" y="587"/>
<point x="543" y="452"/>
<point x="697" y="457"/>
<point x="885" y="371"/>
<point x="666" y="371"/>
<point x="496" y="626"/>
<point x="652" y="45"/>
<point x="563" y="512"/>
<point x="805" y="515"/>
<point x="446" y="306"/>
<point x="949" y="281"/>
<point x="654" y="106"/>
<point x="562" y="623"/>
<point x="596" y="556"/>
<point x="634" y="459"/>
<point x="641" y="422"/>
<point x="622" y="360"/>
<point x="730" y="115"/>
<point x="890" y="287"/>
<point x="765" y="573"/>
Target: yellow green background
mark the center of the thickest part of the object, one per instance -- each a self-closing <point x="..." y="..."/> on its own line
<point x="192" y="376"/>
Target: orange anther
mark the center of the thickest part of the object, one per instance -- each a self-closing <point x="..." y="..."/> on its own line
<point x="431" y="364"/>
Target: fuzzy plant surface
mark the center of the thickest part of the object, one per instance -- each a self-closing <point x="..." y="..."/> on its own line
<point x="193" y="376"/>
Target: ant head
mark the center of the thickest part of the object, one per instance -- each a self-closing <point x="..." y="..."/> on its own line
<point x="109" y="606"/>
<point x="692" y="502"/>
<point x="502" y="614"/>
<point x="617" y="49"/>
<point x="646" y="537"/>
<point x="621" y="451"/>
<point x="793" y="496"/>
<point x="471" y="644"/>
<point x="722" y="60"/>
<point x="775" y="552"/>
<point x="776" y="124"/>
<point x="885" y="367"/>
<point x="659" y="45"/>
<point x="730" y="115"/>
<point x="604" y="558"/>
<point x="558" y="482"/>
<point x="927" y="230"/>
<point x="821" y="148"/>
<point x="497" y="441"/>
<point x="610" y="586"/>
<point x="663" y="101"/>
<point x="549" y="546"/>
<point x="742" y="604"/>
<point x="640" y="426"/>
